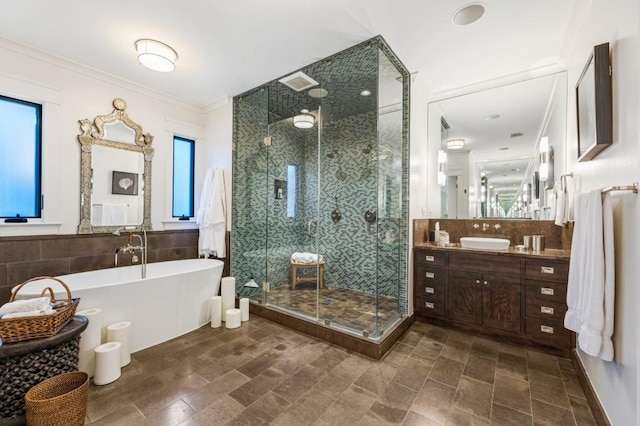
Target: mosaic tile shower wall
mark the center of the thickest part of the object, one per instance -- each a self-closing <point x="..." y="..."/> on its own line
<point x="361" y="165"/>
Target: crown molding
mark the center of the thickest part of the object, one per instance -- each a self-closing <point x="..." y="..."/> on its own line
<point x="218" y="103"/>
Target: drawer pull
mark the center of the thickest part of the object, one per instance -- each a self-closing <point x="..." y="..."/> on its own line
<point x="429" y="305"/>
<point x="430" y="275"/>
<point x="429" y="258"/>
<point x="546" y="291"/>
<point x="546" y="270"/>
<point x="546" y="310"/>
<point x="428" y="290"/>
<point x="546" y="329"/>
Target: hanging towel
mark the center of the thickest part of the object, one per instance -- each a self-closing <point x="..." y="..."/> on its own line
<point x="211" y="217"/>
<point x="553" y="196"/>
<point x="591" y="287"/>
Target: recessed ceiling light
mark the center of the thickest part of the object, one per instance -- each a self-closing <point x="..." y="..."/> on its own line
<point x="515" y="170"/>
<point x="492" y="117"/>
<point x="504" y="148"/>
<point x="156" y="55"/>
<point x="304" y="110"/>
<point x="517" y="134"/>
<point x="365" y="93"/>
<point x="468" y="14"/>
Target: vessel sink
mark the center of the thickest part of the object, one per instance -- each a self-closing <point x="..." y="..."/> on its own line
<point x="484" y="243"/>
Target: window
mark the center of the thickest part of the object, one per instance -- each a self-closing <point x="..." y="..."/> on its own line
<point x="292" y="171"/>
<point x="20" y="158"/>
<point x="183" y="164"/>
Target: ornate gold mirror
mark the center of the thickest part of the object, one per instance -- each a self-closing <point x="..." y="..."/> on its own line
<point x="115" y="184"/>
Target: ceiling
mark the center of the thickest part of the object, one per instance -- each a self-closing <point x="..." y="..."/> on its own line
<point x="226" y="48"/>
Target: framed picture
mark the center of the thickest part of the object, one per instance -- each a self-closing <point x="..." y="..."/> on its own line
<point x="124" y="183"/>
<point x="594" y="104"/>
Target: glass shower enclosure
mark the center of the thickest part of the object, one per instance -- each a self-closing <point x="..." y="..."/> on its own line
<point x="320" y="191"/>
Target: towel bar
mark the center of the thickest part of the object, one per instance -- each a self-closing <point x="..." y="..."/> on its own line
<point x="633" y="187"/>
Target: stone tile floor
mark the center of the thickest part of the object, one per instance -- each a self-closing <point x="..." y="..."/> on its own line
<point x="349" y="308"/>
<point x="265" y="374"/>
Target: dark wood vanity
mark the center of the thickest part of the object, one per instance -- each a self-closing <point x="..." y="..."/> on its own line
<point x="517" y="297"/>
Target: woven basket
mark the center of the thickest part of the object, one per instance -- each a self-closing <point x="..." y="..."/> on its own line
<point x="60" y="400"/>
<point x="26" y="328"/>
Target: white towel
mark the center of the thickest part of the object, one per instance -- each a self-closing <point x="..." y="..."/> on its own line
<point x="26" y="305"/>
<point x="303" y="257"/>
<point x="560" y="208"/>
<point x="47" y="311"/>
<point x="553" y="196"/>
<point x="590" y="291"/>
<point x="211" y="217"/>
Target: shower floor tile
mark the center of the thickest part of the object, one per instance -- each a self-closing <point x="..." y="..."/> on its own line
<point x="348" y="308"/>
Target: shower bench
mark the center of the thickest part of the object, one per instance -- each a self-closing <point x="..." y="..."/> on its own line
<point x="295" y="278"/>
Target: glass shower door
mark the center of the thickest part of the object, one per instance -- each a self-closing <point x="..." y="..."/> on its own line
<point x="292" y="218"/>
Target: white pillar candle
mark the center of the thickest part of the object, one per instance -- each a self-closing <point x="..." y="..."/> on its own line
<point x="228" y="295"/>
<point x="244" y="309"/>
<point x="107" y="363"/>
<point x="121" y="332"/>
<point x="233" y="318"/>
<point x="216" y="311"/>
<point x="90" y="339"/>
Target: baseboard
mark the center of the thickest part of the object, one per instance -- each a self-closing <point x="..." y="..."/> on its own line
<point x="589" y="392"/>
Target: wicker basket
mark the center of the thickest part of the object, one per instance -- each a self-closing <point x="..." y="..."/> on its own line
<point x="26" y="328"/>
<point x="60" y="400"/>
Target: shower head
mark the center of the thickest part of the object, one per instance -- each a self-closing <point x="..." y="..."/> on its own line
<point x="331" y="154"/>
<point x="367" y="149"/>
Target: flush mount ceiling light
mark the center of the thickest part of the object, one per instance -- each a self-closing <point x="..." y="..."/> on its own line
<point x="156" y="55"/>
<point x="365" y="93"/>
<point x="455" y="144"/>
<point x="468" y="14"/>
<point x="303" y="121"/>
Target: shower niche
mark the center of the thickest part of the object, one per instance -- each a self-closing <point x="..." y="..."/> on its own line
<point x="333" y="136"/>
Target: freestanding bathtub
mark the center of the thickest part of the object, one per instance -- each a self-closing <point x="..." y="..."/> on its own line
<point x="173" y="300"/>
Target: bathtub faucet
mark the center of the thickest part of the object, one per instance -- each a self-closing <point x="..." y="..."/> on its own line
<point x="131" y="248"/>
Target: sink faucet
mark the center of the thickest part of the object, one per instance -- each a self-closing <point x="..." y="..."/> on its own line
<point x="129" y="248"/>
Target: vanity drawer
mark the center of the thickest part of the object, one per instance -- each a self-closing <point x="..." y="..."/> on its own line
<point x="548" y="310"/>
<point x="485" y="263"/>
<point x="547" y="270"/>
<point x="429" y="275"/>
<point x="547" y="332"/>
<point x="429" y="258"/>
<point x="547" y="291"/>
<point x="428" y="306"/>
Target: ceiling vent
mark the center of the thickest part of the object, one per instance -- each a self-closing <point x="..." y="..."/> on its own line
<point x="298" y="81"/>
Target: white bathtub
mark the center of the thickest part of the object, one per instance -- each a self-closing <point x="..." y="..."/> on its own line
<point x="173" y="300"/>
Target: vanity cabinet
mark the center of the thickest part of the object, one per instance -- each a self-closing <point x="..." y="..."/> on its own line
<point x="520" y="298"/>
<point x="484" y="291"/>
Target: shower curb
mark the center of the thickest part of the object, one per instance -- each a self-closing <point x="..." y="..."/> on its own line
<point x="357" y="344"/>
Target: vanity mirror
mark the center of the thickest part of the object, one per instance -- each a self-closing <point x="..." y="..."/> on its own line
<point x="490" y="150"/>
<point x="115" y="167"/>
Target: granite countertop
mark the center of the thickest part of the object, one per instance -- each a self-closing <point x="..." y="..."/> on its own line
<point x="513" y="251"/>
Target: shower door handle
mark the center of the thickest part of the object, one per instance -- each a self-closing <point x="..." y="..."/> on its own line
<point x="312" y="225"/>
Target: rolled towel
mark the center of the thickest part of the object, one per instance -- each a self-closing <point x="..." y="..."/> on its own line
<point x="25" y="305"/>
<point x="47" y="311"/>
<point x="303" y="257"/>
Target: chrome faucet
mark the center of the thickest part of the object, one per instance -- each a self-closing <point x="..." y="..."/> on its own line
<point x="131" y="249"/>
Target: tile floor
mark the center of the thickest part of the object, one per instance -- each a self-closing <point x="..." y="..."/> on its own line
<point x="265" y="374"/>
<point x="349" y="308"/>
